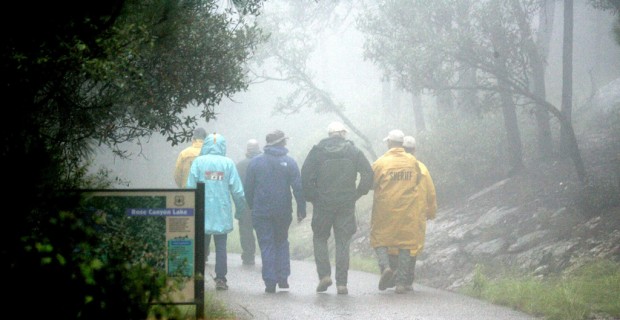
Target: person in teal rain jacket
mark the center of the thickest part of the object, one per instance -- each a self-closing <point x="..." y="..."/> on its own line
<point x="269" y="179"/>
<point x="221" y="179"/>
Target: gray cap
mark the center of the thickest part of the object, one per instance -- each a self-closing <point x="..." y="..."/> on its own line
<point x="253" y="147"/>
<point x="200" y="133"/>
<point x="275" y="137"/>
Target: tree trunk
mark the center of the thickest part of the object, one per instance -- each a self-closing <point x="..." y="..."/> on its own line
<point x="513" y="136"/>
<point x="396" y="109"/>
<point x="573" y="147"/>
<point x="386" y="93"/>
<point x="567" y="77"/>
<point x="545" y="29"/>
<point x="537" y="54"/>
<point x="543" y="128"/>
<point x="467" y="100"/>
<point x="567" y="132"/>
<point x="445" y="101"/>
<point x="418" y="114"/>
<point x="545" y="20"/>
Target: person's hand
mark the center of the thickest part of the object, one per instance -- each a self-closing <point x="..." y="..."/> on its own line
<point x="239" y="213"/>
<point x="300" y="216"/>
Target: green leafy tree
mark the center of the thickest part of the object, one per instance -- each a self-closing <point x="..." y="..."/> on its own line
<point x="613" y="6"/>
<point x="428" y="44"/>
<point x="82" y="74"/>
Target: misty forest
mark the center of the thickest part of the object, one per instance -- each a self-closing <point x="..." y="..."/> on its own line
<point x="106" y="95"/>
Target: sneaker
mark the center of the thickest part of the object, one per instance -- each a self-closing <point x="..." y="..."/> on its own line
<point x="283" y="284"/>
<point x="342" y="290"/>
<point x="270" y="289"/>
<point x="400" y="289"/>
<point x="248" y="262"/>
<point x="324" y="284"/>
<point x="220" y="284"/>
<point x="386" y="278"/>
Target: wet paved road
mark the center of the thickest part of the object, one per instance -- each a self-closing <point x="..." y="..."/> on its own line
<point x="246" y="296"/>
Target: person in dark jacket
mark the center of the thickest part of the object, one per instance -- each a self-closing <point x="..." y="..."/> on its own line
<point x="246" y="230"/>
<point x="268" y="183"/>
<point x="329" y="176"/>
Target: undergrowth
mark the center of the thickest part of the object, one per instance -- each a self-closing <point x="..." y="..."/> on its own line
<point x="590" y="292"/>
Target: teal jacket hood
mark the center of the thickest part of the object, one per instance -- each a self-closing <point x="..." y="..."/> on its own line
<point x="214" y="144"/>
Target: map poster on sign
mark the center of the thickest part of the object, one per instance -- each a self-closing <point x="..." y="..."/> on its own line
<point x="159" y="226"/>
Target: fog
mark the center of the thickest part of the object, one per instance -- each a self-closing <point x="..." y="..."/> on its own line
<point x="338" y="67"/>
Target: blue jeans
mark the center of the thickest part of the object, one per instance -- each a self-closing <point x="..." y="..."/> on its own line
<point x="272" y="235"/>
<point x="221" y="258"/>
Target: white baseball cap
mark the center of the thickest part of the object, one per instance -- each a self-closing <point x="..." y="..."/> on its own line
<point x="409" y="142"/>
<point x="395" y="135"/>
<point x="336" y="127"/>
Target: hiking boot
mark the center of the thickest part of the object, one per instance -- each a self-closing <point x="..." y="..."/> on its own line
<point x="386" y="278"/>
<point x="220" y="284"/>
<point x="400" y="289"/>
<point x="342" y="289"/>
<point x="283" y="284"/>
<point x="270" y="289"/>
<point x="324" y="284"/>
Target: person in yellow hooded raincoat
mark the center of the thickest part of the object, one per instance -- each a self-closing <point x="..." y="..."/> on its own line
<point x="187" y="155"/>
<point x="425" y="190"/>
<point x="397" y="219"/>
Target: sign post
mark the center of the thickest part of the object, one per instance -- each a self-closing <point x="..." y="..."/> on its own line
<point x="177" y="216"/>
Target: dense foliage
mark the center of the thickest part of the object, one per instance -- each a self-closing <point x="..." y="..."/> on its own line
<point x="78" y="74"/>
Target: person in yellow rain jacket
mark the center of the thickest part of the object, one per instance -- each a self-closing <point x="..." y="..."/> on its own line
<point x="425" y="190"/>
<point x="186" y="156"/>
<point x="396" y="211"/>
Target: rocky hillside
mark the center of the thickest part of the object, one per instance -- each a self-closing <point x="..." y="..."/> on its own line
<point x="539" y="222"/>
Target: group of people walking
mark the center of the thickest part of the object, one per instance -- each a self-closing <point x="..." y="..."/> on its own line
<point x="334" y="175"/>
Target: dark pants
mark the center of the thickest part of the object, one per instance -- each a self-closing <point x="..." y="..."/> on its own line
<point x="272" y="234"/>
<point x="247" y="239"/>
<point x="221" y="257"/>
<point x="402" y="267"/>
<point x="410" y="271"/>
<point x="342" y="220"/>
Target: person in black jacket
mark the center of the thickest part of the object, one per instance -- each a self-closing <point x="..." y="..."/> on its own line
<point x="329" y="176"/>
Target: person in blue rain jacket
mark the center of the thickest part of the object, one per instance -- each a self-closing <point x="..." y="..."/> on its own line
<point x="269" y="179"/>
<point x="222" y="182"/>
